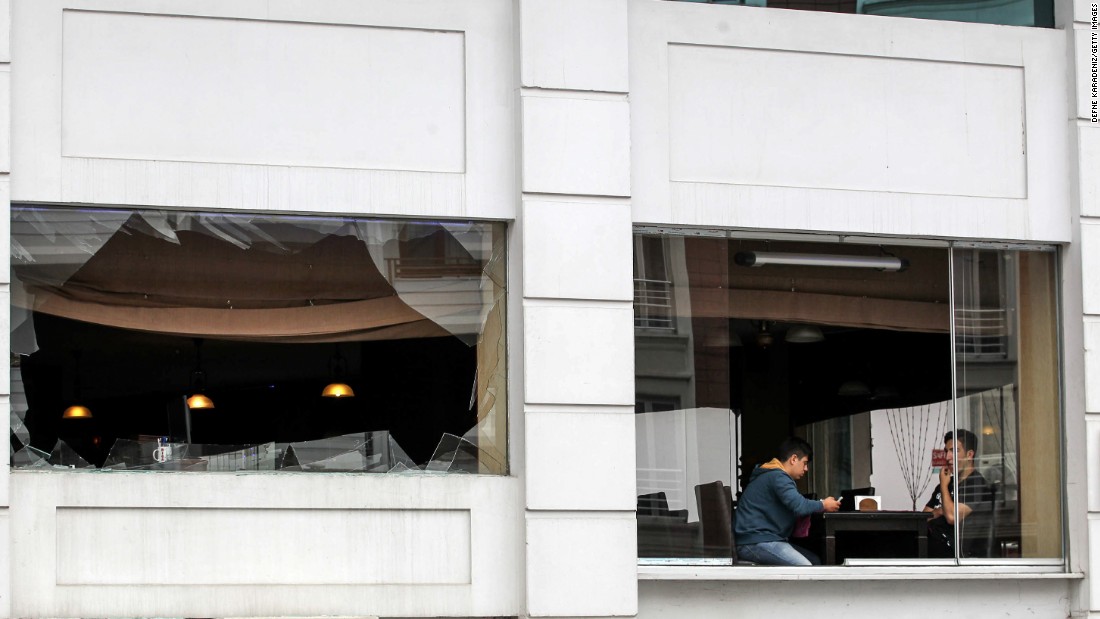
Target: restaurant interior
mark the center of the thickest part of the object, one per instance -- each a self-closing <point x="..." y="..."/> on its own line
<point x="869" y="351"/>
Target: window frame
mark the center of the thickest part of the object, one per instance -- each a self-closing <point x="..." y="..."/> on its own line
<point x="890" y="569"/>
<point x="497" y="230"/>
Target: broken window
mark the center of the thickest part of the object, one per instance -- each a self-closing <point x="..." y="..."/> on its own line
<point x="168" y="340"/>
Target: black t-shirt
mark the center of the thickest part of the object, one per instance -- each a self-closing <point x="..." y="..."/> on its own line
<point x="977" y="494"/>
<point x="974" y="492"/>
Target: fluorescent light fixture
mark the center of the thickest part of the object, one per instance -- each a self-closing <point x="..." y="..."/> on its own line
<point x="765" y="258"/>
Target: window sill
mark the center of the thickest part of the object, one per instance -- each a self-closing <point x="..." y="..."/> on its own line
<point x="998" y="572"/>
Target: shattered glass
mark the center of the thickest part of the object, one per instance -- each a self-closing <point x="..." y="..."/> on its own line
<point x="461" y="454"/>
<point x="30" y="458"/>
<point x="156" y="455"/>
<point x="366" y="280"/>
<point x="65" y="457"/>
<point x="362" y="452"/>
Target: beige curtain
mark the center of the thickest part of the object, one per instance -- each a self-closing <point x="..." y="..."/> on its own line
<point x="206" y="287"/>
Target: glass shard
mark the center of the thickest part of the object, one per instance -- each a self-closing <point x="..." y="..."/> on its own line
<point x="66" y="457"/>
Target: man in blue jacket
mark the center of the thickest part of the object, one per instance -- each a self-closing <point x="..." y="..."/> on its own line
<point x="771" y="505"/>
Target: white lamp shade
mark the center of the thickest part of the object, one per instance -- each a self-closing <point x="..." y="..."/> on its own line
<point x="804" y="334"/>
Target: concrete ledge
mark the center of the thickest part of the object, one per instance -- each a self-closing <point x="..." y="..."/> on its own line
<point x="1023" y="572"/>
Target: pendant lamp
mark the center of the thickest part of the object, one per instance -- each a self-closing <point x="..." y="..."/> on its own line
<point x="198" y="382"/>
<point x="337" y="388"/>
<point x="76" y="411"/>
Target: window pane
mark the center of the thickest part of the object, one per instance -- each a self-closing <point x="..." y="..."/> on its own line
<point x="214" y="341"/>
<point x="683" y="417"/>
<point x="1008" y="403"/>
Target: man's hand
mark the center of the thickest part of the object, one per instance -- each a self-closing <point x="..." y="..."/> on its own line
<point x="831" y="504"/>
<point x="945" y="477"/>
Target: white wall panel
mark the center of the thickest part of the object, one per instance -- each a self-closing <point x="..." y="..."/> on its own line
<point x="739" y="119"/>
<point x="5" y="564"/>
<point x="5" y="229"/>
<point x="323" y="546"/>
<point x="577" y="250"/>
<point x="580" y="460"/>
<point x="1081" y="41"/>
<point x="382" y="107"/>
<point x="5" y="30"/>
<point x="871" y="212"/>
<point x="5" y="111"/>
<point x="574" y="44"/>
<point x="141" y="87"/>
<point x="1094" y="561"/>
<point x="855" y="600"/>
<point x="1082" y="10"/>
<point x="1092" y="364"/>
<point x="771" y="117"/>
<point x="578" y="355"/>
<point x="1088" y="142"/>
<point x="1090" y="263"/>
<point x="5" y="466"/>
<point x="1093" y="456"/>
<point x="576" y="146"/>
<point x="582" y="565"/>
<point x="276" y="188"/>
<point x="280" y="543"/>
<point x="5" y="335"/>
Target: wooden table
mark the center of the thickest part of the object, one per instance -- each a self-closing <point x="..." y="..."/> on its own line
<point x="916" y="522"/>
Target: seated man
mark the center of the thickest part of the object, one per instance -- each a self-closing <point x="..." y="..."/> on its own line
<point x="974" y="492"/>
<point x="770" y="506"/>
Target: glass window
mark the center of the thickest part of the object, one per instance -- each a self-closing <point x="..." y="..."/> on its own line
<point x="1007" y="394"/>
<point x="1004" y="12"/>
<point x="170" y="340"/>
<point x="893" y="362"/>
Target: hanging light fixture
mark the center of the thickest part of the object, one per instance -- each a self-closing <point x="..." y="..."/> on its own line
<point x="337" y="388"/>
<point x="76" y="411"/>
<point x="804" y="334"/>
<point x="764" y="338"/>
<point x="198" y="382"/>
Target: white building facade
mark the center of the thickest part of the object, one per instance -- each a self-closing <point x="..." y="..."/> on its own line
<point x="570" y="126"/>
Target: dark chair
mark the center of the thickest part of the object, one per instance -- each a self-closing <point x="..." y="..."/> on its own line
<point x="979" y="529"/>
<point x="653" y="504"/>
<point x="716" y="519"/>
<point x="664" y="533"/>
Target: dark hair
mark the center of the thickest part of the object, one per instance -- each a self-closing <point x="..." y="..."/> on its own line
<point x="966" y="437"/>
<point x="794" y="446"/>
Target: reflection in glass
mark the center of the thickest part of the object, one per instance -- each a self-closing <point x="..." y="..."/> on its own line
<point x="1004" y="12"/>
<point x="684" y="423"/>
<point x="720" y="383"/>
<point x="1008" y="396"/>
<point x="413" y="310"/>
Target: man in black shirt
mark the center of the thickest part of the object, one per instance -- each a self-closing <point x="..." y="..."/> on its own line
<point x="974" y="495"/>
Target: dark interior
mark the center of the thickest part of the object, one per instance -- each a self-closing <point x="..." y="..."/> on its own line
<point x="417" y="389"/>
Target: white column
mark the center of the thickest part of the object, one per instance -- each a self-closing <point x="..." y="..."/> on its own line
<point x="578" y="348"/>
<point x="5" y="331"/>
<point x="1085" y="545"/>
